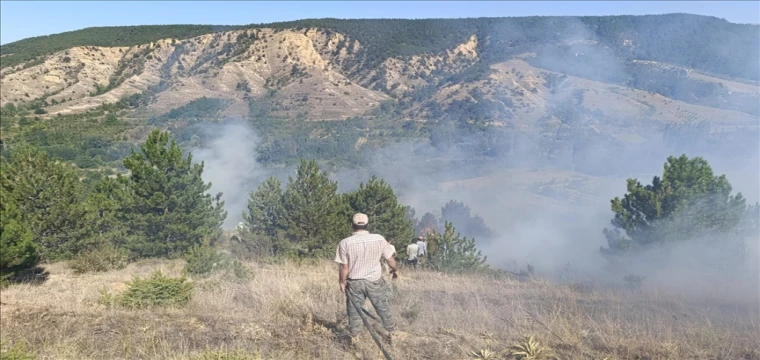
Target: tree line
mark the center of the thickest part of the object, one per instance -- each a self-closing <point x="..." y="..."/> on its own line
<point x="162" y="208"/>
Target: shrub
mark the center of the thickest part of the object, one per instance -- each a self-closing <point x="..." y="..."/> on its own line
<point x="17" y="351"/>
<point x="240" y="272"/>
<point x="18" y="252"/>
<point x="156" y="291"/>
<point x="202" y="260"/>
<point x="102" y="258"/>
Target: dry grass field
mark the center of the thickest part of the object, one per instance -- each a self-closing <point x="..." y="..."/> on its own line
<point x="290" y="311"/>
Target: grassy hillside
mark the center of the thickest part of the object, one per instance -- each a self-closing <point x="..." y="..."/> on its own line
<point x="297" y="312"/>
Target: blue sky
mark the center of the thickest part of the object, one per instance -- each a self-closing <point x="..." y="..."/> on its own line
<point x="22" y="19"/>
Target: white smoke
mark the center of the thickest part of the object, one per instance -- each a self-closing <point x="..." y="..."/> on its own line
<point x="231" y="166"/>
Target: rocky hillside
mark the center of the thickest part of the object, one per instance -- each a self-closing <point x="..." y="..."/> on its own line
<point x="616" y="76"/>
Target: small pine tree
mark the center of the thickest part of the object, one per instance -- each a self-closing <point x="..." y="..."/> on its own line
<point x="451" y="253"/>
<point x="266" y="213"/>
<point x="266" y="220"/>
<point x="168" y="208"/>
<point x="17" y="250"/>
<point x="386" y="216"/>
<point x="316" y="216"/>
<point x="49" y="197"/>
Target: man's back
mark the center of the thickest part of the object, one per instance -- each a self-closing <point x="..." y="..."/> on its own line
<point x="362" y="252"/>
<point x="422" y="248"/>
<point x="411" y="251"/>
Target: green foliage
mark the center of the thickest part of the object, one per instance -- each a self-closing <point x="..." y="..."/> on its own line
<point x="18" y="252"/>
<point x="49" y="196"/>
<point x="316" y="216"/>
<point x="103" y="257"/>
<point x="168" y="208"/>
<point x="28" y="49"/>
<point x="688" y="202"/>
<point x="17" y="351"/>
<point x="451" y="253"/>
<point x="157" y="291"/>
<point x="199" y="109"/>
<point x="202" y="260"/>
<point x="386" y="216"/>
<point x="266" y="213"/>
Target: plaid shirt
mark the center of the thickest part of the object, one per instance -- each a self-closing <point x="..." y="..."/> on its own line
<point x="362" y="252"/>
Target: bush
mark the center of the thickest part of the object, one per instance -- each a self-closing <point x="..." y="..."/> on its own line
<point x="102" y="258"/>
<point x="18" y="252"/>
<point x="202" y="260"/>
<point x="17" y="351"/>
<point x="156" y="291"/>
<point x="240" y="272"/>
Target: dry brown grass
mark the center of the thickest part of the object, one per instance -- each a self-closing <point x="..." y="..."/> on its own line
<point x="297" y="312"/>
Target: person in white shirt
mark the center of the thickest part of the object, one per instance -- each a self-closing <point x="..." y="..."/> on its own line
<point x="422" y="252"/>
<point x="360" y="275"/>
<point x="412" y="251"/>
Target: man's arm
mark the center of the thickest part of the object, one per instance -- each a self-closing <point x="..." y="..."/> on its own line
<point x="342" y="275"/>
<point x="392" y="264"/>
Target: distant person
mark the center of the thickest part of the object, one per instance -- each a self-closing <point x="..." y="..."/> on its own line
<point x="411" y="253"/>
<point x="423" y="246"/>
<point x="360" y="275"/>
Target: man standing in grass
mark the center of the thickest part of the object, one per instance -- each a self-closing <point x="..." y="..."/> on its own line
<point x="422" y="253"/>
<point x="412" y="251"/>
<point x="360" y="274"/>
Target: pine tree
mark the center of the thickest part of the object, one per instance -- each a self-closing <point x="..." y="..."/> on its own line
<point x="316" y="216"/>
<point x="105" y="205"/>
<point x="689" y="201"/>
<point x="17" y="250"/>
<point x="451" y="253"/>
<point x="266" y="220"/>
<point x="266" y="212"/>
<point x="168" y="210"/>
<point x="386" y="216"/>
<point x="48" y="195"/>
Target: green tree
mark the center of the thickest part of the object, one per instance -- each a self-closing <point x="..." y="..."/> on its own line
<point x="266" y="220"/>
<point x="105" y="204"/>
<point x="49" y="197"/>
<point x="17" y="250"/>
<point x="316" y="216"/>
<point x="168" y="208"/>
<point x="266" y="212"/>
<point x="386" y="216"/>
<point x="689" y="201"/>
<point x="451" y="253"/>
